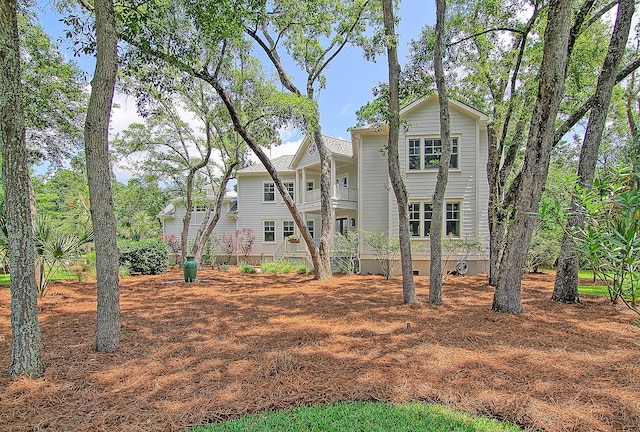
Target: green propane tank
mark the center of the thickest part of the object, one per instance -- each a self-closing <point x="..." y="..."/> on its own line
<point x="190" y="269"/>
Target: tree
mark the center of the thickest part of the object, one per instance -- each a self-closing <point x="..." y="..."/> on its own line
<point x="302" y="28"/>
<point x="26" y="357"/>
<point x="565" y="289"/>
<point x="215" y="57"/>
<point x="55" y="100"/>
<point x="435" y="271"/>
<point x="395" y="175"/>
<point x="527" y="189"/>
<point x="96" y="133"/>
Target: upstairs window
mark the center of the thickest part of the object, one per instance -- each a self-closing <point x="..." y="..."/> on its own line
<point x="269" y="192"/>
<point x="424" y="153"/>
<point x="290" y="188"/>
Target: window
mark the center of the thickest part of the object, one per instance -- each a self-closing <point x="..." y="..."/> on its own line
<point x="288" y="228"/>
<point x="431" y="148"/>
<point x="311" y="185"/>
<point x="414" y="219"/>
<point x="290" y="188"/>
<point x="421" y="216"/>
<point x="414" y="154"/>
<point x="428" y="215"/>
<point x="269" y="192"/>
<point x="311" y="228"/>
<point x="342" y="182"/>
<point x="269" y="231"/>
<point x="452" y="219"/>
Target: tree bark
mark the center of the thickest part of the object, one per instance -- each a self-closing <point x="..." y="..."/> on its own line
<point x="530" y="184"/>
<point x="327" y="213"/>
<point x="395" y="175"/>
<point x="565" y="289"/>
<point x="26" y="348"/>
<point x="211" y="219"/>
<point x="96" y="134"/>
<point x="435" y="236"/>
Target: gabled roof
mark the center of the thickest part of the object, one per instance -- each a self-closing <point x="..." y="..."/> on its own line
<point x="281" y="164"/>
<point x="453" y="103"/>
<point x="335" y="146"/>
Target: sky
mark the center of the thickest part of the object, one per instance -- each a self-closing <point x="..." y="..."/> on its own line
<point x="350" y="78"/>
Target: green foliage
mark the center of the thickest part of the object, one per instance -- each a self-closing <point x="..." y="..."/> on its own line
<point x="277" y="267"/>
<point x="363" y="416"/>
<point x="301" y="269"/>
<point x="55" y="250"/>
<point x="246" y="268"/>
<point x="54" y="96"/>
<point x="610" y="238"/>
<point x="224" y="267"/>
<point x="385" y="249"/>
<point x="209" y="251"/>
<point x="147" y="256"/>
<point x="345" y="251"/>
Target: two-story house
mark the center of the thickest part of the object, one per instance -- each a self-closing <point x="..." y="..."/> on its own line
<point x="360" y="189"/>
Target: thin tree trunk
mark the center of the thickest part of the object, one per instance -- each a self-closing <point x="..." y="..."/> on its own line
<point x="530" y="183"/>
<point x="26" y="348"/>
<point x="435" y="236"/>
<point x="211" y="220"/>
<point x="399" y="189"/>
<point x="96" y="133"/>
<point x="565" y="289"/>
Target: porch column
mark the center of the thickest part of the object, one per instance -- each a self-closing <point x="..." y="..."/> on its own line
<point x="333" y="178"/>
<point x="297" y="187"/>
<point x="304" y="186"/>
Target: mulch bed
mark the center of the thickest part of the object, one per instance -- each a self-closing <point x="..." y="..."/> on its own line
<point x="235" y="344"/>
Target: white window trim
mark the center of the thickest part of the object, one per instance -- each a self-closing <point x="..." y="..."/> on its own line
<point x="424" y="201"/>
<point x="284" y="235"/>
<point x="422" y="155"/>
<point x="292" y="193"/>
<point x="264" y="231"/>
<point x="264" y="183"/>
<point x="313" y="185"/>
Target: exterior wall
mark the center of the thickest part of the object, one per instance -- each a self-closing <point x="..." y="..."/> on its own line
<point x="253" y="211"/>
<point x="467" y="184"/>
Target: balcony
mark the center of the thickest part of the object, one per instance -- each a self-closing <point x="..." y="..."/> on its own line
<point x="340" y="194"/>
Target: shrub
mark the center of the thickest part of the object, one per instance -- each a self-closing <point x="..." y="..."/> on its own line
<point x="283" y="267"/>
<point x="147" y="256"/>
<point x="245" y="240"/>
<point x="302" y="269"/>
<point x="224" y="267"/>
<point x="346" y="252"/>
<point x="386" y="250"/>
<point x="227" y="244"/>
<point x="246" y="268"/>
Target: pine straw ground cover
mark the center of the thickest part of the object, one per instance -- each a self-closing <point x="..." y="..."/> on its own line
<point x="235" y="344"/>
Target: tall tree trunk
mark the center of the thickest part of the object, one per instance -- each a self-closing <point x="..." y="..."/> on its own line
<point x="565" y="289"/>
<point x="399" y="189"/>
<point x="435" y="236"/>
<point x="26" y="348"/>
<point x="96" y="138"/>
<point x="529" y="185"/>
<point x="327" y="213"/>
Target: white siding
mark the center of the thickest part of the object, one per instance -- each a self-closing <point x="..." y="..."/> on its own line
<point x="252" y="211"/>
<point x="373" y="193"/>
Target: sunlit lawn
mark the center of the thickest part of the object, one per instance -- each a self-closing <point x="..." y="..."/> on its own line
<point x="362" y="416"/>
<point x="62" y="274"/>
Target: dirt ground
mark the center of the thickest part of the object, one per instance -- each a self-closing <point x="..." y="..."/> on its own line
<point x="233" y="344"/>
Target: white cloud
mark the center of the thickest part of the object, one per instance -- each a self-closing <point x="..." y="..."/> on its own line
<point x="346" y="109"/>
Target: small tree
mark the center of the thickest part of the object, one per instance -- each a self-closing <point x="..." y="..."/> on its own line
<point x="245" y="240"/>
<point x="346" y="252"/>
<point x="228" y="246"/>
<point x="610" y="238"/>
<point x="386" y="250"/>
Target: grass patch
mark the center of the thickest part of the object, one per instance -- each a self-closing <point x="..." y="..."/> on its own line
<point x="276" y="267"/>
<point x="60" y="274"/>
<point x="362" y="416"/>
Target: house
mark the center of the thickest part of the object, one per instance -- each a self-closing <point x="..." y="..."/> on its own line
<point x="361" y="195"/>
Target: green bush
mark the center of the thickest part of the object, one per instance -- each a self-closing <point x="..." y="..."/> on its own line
<point x="246" y="268"/>
<point x="147" y="256"/>
<point x="302" y="269"/>
<point x="283" y="267"/>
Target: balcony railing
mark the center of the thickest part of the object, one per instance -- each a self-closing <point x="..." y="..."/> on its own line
<point x="342" y="193"/>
